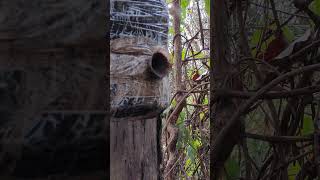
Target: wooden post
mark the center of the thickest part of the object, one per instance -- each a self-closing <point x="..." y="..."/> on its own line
<point x="138" y="68"/>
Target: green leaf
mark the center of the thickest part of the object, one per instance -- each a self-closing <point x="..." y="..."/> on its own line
<point x="307" y="126"/>
<point x="200" y="55"/>
<point x="196" y="144"/>
<point x="183" y="54"/>
<point x="288" y="34"/>
<point x="189" y="167"/>
<point x="315" y="7"/>
<point x="191" y="153"/>
<point x="184" y="4"/>
<point x="174" y="103"/>
<point x="190" y="72"/>
<point x="255" y="38"/>
<point x="293" y="170"/>
<point x="232" y="168"/>
<point x="184" y="135"/>
<point x="182" y="116"/>
<point x="205" y="101"/>
<point x="207" y="6"/>
<point x="201" y="115"/>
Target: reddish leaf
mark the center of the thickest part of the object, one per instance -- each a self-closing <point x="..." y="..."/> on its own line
<point x="195" y="76"/>
<point x="275" y="47"/>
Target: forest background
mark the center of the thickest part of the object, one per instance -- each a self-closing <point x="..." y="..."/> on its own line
<point x="264" y="83"/>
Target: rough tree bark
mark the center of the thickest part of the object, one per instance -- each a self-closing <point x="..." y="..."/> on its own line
<point x="138" y="67"/>
<point x="171" y="128"/>
<point x="223" y="75"/>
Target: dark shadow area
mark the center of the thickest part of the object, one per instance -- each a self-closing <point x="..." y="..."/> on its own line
<point x="53" y="90"/>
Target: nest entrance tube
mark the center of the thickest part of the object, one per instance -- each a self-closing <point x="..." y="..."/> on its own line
<point x="159" y="65"/>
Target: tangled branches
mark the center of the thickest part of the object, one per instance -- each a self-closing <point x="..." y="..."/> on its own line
<point x="275" y="125"/>
<point x="264" y="86"/>
<point x="186" y="126"/>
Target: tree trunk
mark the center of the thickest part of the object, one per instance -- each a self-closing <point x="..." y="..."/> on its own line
<point x="171" y="128"/>
<point x="223" y="75"/>
<point x="138" y="68"/>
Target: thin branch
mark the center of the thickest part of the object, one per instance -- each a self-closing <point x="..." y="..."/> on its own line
<point x="270" y="95"/>
<point x="219" y="141"/>
<point x="279" y="139"/>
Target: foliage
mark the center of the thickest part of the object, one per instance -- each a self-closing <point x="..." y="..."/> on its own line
<point x="277" y="137"/>
<point x="193" y="122"/>
<point x="268" y="30"/>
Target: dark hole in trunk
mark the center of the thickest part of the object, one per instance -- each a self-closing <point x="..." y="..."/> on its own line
<point x="159" y="65"/>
